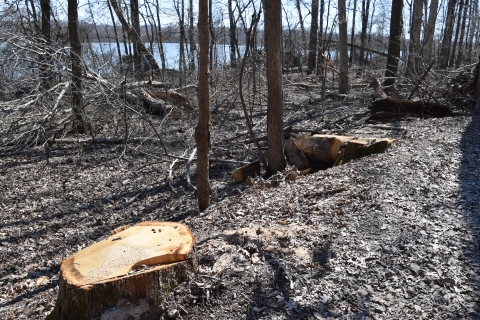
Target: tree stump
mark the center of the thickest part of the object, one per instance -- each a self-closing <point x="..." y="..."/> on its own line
<point x="137" y="267"/>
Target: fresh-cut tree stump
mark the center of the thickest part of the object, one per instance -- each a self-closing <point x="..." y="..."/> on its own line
<point x="322" y="148"/>
<point x="134" y="269"/>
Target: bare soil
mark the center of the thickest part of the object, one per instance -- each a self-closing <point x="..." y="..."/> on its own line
<point x="391" y="236"/>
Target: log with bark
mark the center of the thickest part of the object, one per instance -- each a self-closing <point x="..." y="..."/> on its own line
<point x="399" y="106"/>
<point x="332" y="150"/>
<point x="295" y="156"/>
<point x="135" y="268"/>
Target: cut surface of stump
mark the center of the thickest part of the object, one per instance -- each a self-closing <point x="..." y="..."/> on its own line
<point x="140" y="264"/>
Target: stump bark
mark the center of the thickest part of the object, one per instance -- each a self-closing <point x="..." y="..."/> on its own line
<point x="134" y="268"/>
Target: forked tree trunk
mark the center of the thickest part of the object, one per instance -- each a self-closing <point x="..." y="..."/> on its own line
<point x="132" y="271"/>
<point x="273" y="28"/>
<point x="202" y="131"/>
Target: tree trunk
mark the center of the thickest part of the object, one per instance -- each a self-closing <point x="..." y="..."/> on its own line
<point x="191" y="55"/>
<point x="461" y="49"/>
<point x="160" y="37"/>
<point x="473" y="27"/>
<point x="447" y="35"/>
<point x="429" y="31"/>
<point x="117" y="39"/>
<point x="363" y="35"/>
<point x="352" y="34"/>
<point x="302" y="26"/>
<point x="343" y="47"/>
<point x="132" y="271"/>
<point x="45" y="67"/>
<point x="312" y="46"/>
<point x="77" y="72"/>
<point x="415" y="29"/>
<point x="273" y="28"/>
<point x="137" y="40"/>
<point x="457" y="33"/>
<point x="133" y="35"/>
<point x="202" y="131"/>
<point x="232" y="34"/>
<point x="394" y="42"/>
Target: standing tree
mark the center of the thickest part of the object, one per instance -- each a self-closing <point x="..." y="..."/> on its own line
<point x="363" y="34"/>
<point x="232" y="34"/>
<point x="429" y="31"/>
<point x="273" y="28"/>
<point x="394" y="42"/>
<point x="312" y="46"/>
<point x="343" y="47"/>
<point x="77" y="73"/>
<point x="202" y="131"/>
<point x="447" y="34"/>
<point x="45" y="68"/>
<point x="137" y="51"/>
<point x="415" y="29"/>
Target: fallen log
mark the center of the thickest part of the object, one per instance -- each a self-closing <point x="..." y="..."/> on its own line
<point x="252" y="169"/>
<point x="322" y="148"/>
<point x="399" y="106"/>
<point x="294" y="155"/>
<point x="140" y="265"/>
<point x="173" y="96"/>
<point x="335" y="150"/>
<point x="152" y="106"/>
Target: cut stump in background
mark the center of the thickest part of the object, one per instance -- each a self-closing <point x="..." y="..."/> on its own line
<point x="134" y="268"/>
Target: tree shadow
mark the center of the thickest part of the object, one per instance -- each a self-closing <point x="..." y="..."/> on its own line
<point x="469" y="201"/>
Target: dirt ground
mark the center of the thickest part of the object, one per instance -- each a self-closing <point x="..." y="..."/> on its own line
<point x="390" y="236"/>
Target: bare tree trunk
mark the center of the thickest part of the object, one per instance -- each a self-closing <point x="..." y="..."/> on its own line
<point x="363" y="35"/>
<point x="429" y="31"/>
<point x="202" y="131"/>
<point x="77" y="73"/>
<point x="137" y="41"/>
<point x="394" y="42"/>
<point x="352" y="35"/>
<point x="160" y="37"/>
<point x="343" y="47"/>
<point x="191" y="56"/>
<point x="473" y="27"/>
<point x="302" y="25"/>
<point x="133" y="35"/>
<point x="45" y="68"/>
<point x="447" y="35"/>
<point x="273" y="28"/>
<point x="320" y="47"/>
<point x="414" y="45"/>
<point x="312" y="46"/>
<point x="232" y="34"/>
<point x="460" y="54"/>
<point x="117" y="39"/>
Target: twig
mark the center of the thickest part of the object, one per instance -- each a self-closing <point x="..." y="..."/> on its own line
<point x="188" y="169"/>
<point x="421" y="79"/>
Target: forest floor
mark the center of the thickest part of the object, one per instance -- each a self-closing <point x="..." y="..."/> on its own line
<point x="390" y="236"/>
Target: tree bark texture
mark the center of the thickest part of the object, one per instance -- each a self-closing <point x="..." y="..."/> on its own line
<point x="394" y="42"/>
<point x="77" y="71"/>
<point x="363" y="34"/>
<point x="312" y="45"/>
<point x="202" y="131"/>
<point x="273" y="28"/>
<point x="447" y="34"/>
<point x="232" y="34"/>
<point x="429" y="31"/>
<point x="343" y="47"/>
<point x="415" y="29"/>
<point x="137" y="40"/>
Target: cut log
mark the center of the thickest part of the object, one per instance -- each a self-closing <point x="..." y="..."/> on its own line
<point x="295" y="156"/>
<point x="171" y="95"/>
<point x="151" y="105"/>
<point x="140" y="265"/>
<point x="322" y="148"/>
<point x="363" y="147"/>
<point x="252" y="169"/>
